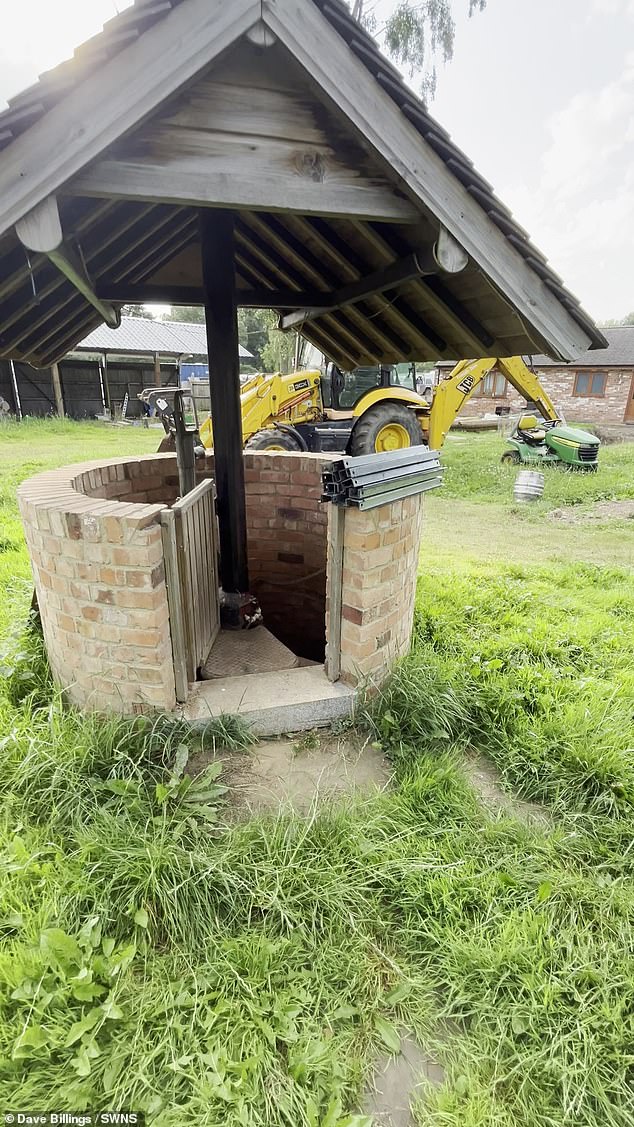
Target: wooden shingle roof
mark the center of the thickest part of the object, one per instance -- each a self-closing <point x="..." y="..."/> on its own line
<point x="506" y="302"/>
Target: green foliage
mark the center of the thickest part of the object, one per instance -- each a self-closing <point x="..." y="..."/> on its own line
<point x="533" y="667"/>
<point x="192" y="313"/>
<point x="627" y="320"/>
<point x="157" y="954"/>
<point x="278" y="353"/>
<point x="417" y="35"/>
<point x="254" y="326"/>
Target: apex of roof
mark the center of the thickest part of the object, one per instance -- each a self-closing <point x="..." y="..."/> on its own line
<point x="146" y="335"/>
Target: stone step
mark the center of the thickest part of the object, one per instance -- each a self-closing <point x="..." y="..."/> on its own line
<point x="288" y="700"/>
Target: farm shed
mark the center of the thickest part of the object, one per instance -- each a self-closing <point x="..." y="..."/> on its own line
<point x="596" y="387"/>
<point x="107" y="365"/>
<point x="262" y="153"/>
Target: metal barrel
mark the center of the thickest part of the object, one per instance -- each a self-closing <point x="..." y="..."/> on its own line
<point x="529" y="486"/>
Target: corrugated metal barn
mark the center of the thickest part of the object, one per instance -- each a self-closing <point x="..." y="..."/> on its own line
<point x="108" y="364"/>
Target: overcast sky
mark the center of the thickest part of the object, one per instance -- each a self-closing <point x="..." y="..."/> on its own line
<point x="540" y="95"/>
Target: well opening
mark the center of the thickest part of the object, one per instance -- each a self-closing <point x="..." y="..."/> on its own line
<point x="287" y="532"/>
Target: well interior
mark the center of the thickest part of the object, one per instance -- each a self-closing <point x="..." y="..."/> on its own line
<point x="287" y="531"/>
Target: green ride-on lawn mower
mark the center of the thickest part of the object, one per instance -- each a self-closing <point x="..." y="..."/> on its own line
<point x="551" y="442"/>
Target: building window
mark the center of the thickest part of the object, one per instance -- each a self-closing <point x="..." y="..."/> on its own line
<point x="493" y="386"/>
<point x="590" y="384"/>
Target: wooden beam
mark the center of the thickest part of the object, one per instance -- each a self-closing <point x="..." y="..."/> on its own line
<point x="344" y="326"/>
<point x="115" y="97"/>
<point x="57" y="390"/>
<point x="16" y="392"/>
<point x="398" y="273"/>
<point x="241" y="182"/>
<point x="447" y="305"/>
<point x="362" y="102"/>
<point x="258" y="298"/>
<point x="70" y="264"/>
<point x="336" y="532"/>
<point x="411" y="321"/>
<point x="221" y="316"/>
<point x="41" y="231"/>
<point x="285" y="246"/>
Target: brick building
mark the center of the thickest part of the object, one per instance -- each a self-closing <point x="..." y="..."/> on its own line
<point x="598" y="387"/>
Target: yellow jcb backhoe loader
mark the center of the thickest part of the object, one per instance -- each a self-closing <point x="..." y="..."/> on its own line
<point x="376" y="410"/>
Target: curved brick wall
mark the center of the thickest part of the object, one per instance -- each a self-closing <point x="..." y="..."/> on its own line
<point x="288" y="544"/>
<point x="97" y="560"/>
<point x="94" y="537"/>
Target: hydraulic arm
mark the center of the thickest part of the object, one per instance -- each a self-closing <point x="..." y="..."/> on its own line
<point x="452" y="393"/>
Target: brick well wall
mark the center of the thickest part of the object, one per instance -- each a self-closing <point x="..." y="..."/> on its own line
<point x="94" y="538"/>
<point x="380" y="565"/>
<point x="97" y="560"/>
<point x="287" y="529"/>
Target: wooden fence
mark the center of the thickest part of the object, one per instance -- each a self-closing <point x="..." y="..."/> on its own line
<point x="191" y="570"/>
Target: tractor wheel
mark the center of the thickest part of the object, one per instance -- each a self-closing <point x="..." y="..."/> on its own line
<point x="511" y="456"/>
<point x="385" y="428"/>
<point x="272" y="439"/>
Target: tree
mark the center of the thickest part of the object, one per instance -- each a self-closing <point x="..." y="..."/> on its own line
<point x="254" y="326"/>
<point x="135" y="311"/>
<point x="195" y="314"/>
<point x="613" y="323"/>
<point x="278" y="354"/>
<point x="417" y="34"/>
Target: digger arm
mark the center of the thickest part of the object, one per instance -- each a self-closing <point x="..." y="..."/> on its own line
<point x="451" y="395"/>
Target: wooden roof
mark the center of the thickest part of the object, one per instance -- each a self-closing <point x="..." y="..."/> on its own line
<point x="285" y="111"/>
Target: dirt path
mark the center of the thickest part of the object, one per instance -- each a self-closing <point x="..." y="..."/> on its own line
<point x="299" y="773"/>
<point x="486" y="780"/>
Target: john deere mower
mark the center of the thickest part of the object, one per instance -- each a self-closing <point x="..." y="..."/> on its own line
<point x="551" y="442"/>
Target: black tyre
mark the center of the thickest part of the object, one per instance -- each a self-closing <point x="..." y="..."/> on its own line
<point x="272" y="439"/>
<point x="386" y="427"/>
<point x="511" y="456"/>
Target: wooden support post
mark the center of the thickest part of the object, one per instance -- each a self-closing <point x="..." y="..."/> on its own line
<point x="57" y="390"/>
<point x="157" y="370"/>
<point x="16" y="393"/>
<point x="221" y="316"/>
<point x="106" y="385"/>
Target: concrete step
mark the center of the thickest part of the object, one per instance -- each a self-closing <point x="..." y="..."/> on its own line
<point x="289" y="700"/>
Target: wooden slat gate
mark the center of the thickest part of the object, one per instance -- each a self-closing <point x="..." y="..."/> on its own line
<point x="190" y="548"/>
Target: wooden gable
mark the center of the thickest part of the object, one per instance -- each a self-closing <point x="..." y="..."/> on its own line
<point x="249" y="133"/>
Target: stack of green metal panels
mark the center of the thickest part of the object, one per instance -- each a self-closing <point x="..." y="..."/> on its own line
<point x="377" y="479"/>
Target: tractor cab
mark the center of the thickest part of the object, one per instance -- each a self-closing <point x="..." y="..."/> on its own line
<point x="342" y="391"/>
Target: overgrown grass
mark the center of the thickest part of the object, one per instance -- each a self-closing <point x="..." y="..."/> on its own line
<point x="152" y="957"/>
<point x="474" y="472"/>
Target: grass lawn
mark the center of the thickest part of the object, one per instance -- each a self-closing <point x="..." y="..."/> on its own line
<point x="153" y="959"/>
